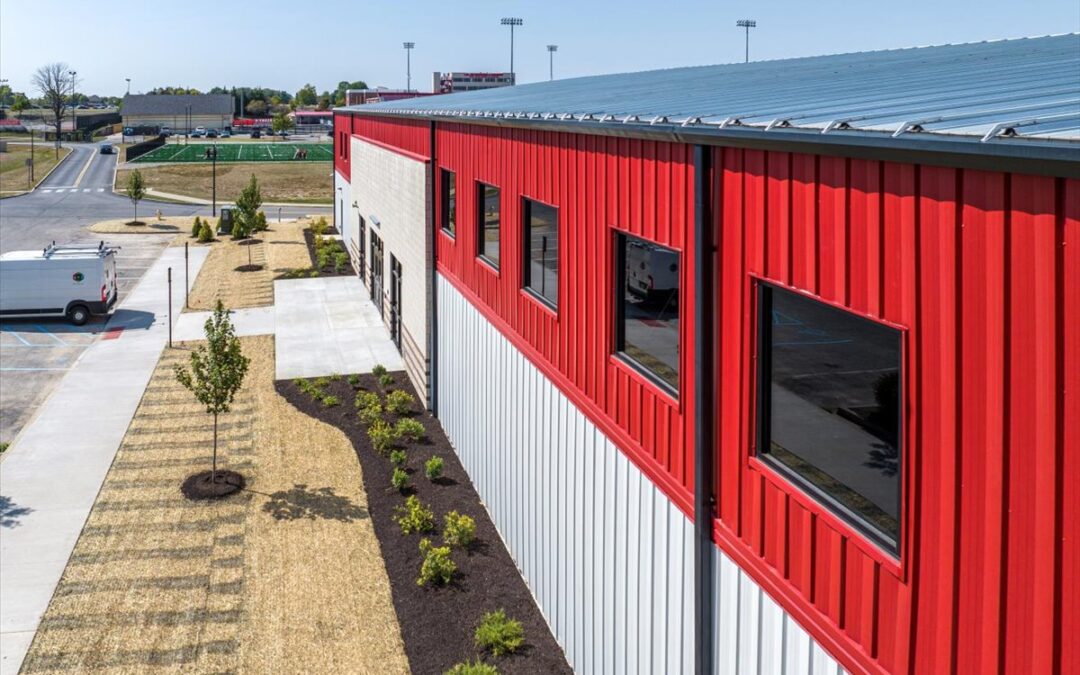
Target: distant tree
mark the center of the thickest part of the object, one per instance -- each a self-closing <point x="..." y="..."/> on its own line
<point x="324" y="101"/>
<point x="5" y="94"/>
<point x="52" y="81"/>
<point x="256" y="108"/>
<point x="282" y="122"/>
<point x="136" y="190"/>
<point x="339" y="93"/>
<point x="19" y="103"/>
<point x="247" y="204"/>
<point x="217" y="370"/>
<point x="307" y="95"/>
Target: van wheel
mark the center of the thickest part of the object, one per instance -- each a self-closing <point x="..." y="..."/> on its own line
<point x="79" y="315"/>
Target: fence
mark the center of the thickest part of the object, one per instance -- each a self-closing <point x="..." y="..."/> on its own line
<point x="140" y="149"/>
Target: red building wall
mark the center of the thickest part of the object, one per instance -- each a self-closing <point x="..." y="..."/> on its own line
<point x="342" y="129"/>
<point x="980" y="270"/>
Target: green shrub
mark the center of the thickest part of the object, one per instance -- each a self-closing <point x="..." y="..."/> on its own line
<point x="433" y="468"/>
<point x="313" y="273"/>
<point x="409" y="429"/>
<point x="386" y="380"/>
<point x="414" y="516"/>
<point x="399" y="402"/>
<point x="437" y="567"/>
<point x="354" y="381"/>
<point x="206" y="235"/>
<point x="371" y="414"/>
<point x="330" y="400"/>
<point x="498" y="634"/>
<point x="382" y="436"/>
<point x="196" y="227"/>
<point x="366" y="399"/>
<point x="335" y="377"/>
<point x="399" y="479"/>
<point x="319" y="227"/>
<point x="308" y="388"/>
<point x="341" y="258"/>
<point x="458" y="530"/>
<point x="259" y="223"/>
<point x="322" y="258"/>
<point x="379" y="370"/>
<point x="322" y="382"/>
<point x="398" y="458"/>
<point x="477" y="667"/>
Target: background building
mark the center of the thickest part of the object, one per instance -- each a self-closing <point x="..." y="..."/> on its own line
<point x="449" y="83"/>
<point x="178" y="112"/>
<point x="379" y="94"/>
<point x="767" y="367"/>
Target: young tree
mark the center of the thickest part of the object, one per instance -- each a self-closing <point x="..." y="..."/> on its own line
<point x="136" y="190"/>
<point x="247" y="204"/>
<point x="53" y="83"/>
<point x="281" y="122"/>
<point x="217" y="370"/>
<point x="20" y="104"/>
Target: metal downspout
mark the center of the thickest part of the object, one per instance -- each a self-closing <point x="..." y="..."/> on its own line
<point x="433" y="319"/>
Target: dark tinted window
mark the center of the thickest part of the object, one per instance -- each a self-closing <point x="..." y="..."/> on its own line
<point x="449" y="201"/>
<point x="487" y="198"/>
<point x="541" y="269"/>
<point x="830" y="408"/>
<point x="647" y="308"/>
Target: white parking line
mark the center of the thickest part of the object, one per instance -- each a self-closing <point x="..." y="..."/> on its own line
<point x="74" y="190"/>
<point x="46" y="191"/>
<point x="86" y="189"/>
<point x="101" y="189"/>
<point x="46" y="331"/>
<point x="27" y="370"/>
<point x="11" y="332"/>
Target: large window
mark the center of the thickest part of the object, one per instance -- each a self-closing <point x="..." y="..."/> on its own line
<point x="541" y="266"/>
<point x="487" y="201"/>
<point x="449" y="202"/>
<point x="829" y="413"/>
<point x="647" y="309"/>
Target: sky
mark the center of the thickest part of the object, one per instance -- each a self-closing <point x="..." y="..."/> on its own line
<point x="284" y="45"/>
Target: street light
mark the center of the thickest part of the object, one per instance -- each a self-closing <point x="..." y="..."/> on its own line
<point x="511" y="21"/>
<point x="213" y="193"/>
<point x="747" y="24"/>
<point x="408" y="64"/>
<point x="551" y="60"/>
<point x="74" y="124"/>
<point x="128" y="79"/>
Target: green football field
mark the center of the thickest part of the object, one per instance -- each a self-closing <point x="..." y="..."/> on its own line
<point x="240" y="152"/>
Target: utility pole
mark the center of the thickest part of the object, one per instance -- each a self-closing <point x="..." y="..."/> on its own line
<point x="747" y="24"/>
<point x="213" y="198"/>
<point x="551" y="60"/>
<point x="408" y="64"/>
<point x="511" y="21"/>
<point x="74" y="123"/>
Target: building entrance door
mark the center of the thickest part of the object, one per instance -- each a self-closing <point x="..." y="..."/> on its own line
<point x="395" y="301"/>
<point x="377" y="272"/>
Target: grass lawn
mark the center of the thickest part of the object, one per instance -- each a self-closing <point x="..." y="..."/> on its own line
<point x="239" y="152"/>
<point x="13" y="171"/>
<point x="299" y="182"/>
<point x="286" y="576"/>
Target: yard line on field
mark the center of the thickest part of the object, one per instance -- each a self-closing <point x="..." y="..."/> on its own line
<point x="240" y="153"/>
<point x="268" y="152"/>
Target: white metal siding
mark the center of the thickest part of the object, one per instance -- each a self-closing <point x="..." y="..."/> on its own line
<point x="607" y="555"/>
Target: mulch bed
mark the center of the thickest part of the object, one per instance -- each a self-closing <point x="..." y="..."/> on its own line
<point x="437" y="624"/>
<point x="328" y="270"/>
<point x="206" y="485"/>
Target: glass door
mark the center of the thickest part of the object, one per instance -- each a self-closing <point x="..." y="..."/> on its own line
<point x="395" y="301"/>
<point x="377" y="272"/>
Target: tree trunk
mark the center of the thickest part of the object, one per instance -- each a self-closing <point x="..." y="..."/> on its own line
<point x="135" y="222"/>
<point x="213" y="466"/>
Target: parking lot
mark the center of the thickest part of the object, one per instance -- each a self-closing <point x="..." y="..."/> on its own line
<point x="36" y="353"/>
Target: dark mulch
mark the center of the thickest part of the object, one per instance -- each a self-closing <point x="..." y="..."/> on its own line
<point x="437" y="624"/>
<point x="201" y="486"/>
<point x="327" y="270"/>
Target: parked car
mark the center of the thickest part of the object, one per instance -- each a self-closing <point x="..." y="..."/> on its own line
<point x="128" y="131"/>
<point x="225" y="133"/>
<point x="73" y="281"/>
<point x="198" y="133"/>
<point x="106" y="148"/>
<point x="255" y="133"/>
<point x="211" y="133"/>
<point x="166" y="132"/>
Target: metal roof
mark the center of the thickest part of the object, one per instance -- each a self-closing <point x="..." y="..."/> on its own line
<point x="176" y="104"/>
<point x="989" y="92"/>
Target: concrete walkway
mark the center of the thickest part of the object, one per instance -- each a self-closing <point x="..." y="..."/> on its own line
<point x="51" y="476"/>
<point x="246" y="321"/>
<point x="329" y="325"/>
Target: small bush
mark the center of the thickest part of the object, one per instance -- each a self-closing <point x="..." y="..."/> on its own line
<point x="341" y="258"/>
<point x="498" y="634"/>
<point x="366" y="399"/>
<point x="414" y="516"/>
<point x="196" y="227"/>
<point x="308" y="388"/>
<point x="371" y="414"/>
<point x="379" y="370"/>
<point x="322" y="258"/>
<point x="354" y="381"/>
<point x="382" y="436"/>
<point x="330" y="400"/>
<point x="458" y="530"/>
<point x="322" y="382"/>
<point x="335" y="377"/>
<point x="437" y="567"/>
<point x="319" y="227"/>
<point x="409" y="429"/>
<point x="399" y="479"/>
<point x="398" y="458"/>
<point x="206" y="235"/>
<point x="399" y="402"/>
<point x="260" y="223"/>
<point x="313" y="273"/>
<point x="477" y="667"/>
<point x="433" y="468"/>
<point x="386" y="380"/>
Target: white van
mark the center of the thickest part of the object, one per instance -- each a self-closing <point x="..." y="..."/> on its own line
<point x="72" y="281"/>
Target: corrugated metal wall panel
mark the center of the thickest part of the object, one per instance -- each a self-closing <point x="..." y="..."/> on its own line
<point x="607" y="555"/>
<point x="412" y="136"/>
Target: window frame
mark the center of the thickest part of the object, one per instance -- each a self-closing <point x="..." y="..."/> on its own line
<point x="526" y="238"/>
<point x="618" y="351"/>
<point x="481" y="225"/>
<point x="871" y="538"/>
<point x="447" y="215"/>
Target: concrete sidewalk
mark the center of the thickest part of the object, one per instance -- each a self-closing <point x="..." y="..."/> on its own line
<point x="51" y="476"/>
<point x="246" y="321"/>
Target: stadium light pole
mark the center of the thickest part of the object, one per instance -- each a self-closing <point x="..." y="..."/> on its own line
<point x="511" y="21"/>
<point x="213" y="198"/>
<point x="408" y="64"/>
<point x="74" y="124"/>
<point x="747" y="24"/>
<point x="551" y="60"/>
<point x="128" y="80"/>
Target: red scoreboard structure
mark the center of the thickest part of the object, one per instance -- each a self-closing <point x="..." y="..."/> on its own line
<point x="766" y="367"/>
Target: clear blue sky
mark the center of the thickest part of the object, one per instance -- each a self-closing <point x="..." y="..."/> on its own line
<point x="202" y="44"/>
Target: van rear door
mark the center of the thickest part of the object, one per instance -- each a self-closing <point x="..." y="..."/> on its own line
<point x="110" y="280"/>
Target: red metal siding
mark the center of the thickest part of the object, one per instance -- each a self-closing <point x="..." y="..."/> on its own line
<point x="597" y="183"/>
<point x="977" y="268"/>
<point x="342" y="124"/>
<point x="412" y="136"/>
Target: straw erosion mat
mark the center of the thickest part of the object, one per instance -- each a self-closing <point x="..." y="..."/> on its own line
<point x="228" y="275"/>
<point x="284" y="577"/>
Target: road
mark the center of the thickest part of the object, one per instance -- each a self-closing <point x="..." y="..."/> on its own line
<point x="77" y="194"/>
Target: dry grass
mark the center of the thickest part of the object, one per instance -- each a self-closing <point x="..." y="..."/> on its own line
<point x="300" y="182"/>
<point x="14" y="175"/>
<point x="286" y="576"/>
<point x="223" y="276"/>
<point x="148" y="223"/>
